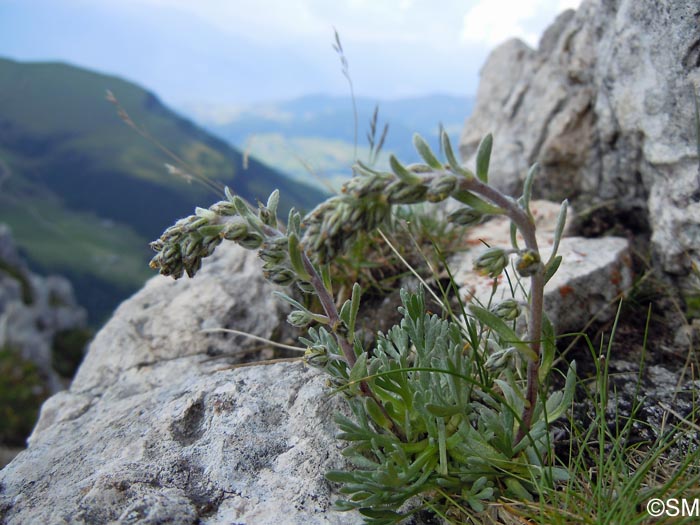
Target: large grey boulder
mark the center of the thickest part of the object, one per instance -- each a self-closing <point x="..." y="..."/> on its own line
<point x="605" y="105"/>
<point x="182" y="441"/>
<point x="160" y="426"/>
<point x="168" y="320"/>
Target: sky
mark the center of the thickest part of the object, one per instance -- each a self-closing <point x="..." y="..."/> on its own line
<point x="240" y="52"/>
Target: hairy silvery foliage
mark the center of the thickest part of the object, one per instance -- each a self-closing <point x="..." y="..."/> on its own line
<point x="437" y="401"/>
<point x="456" y="421"/>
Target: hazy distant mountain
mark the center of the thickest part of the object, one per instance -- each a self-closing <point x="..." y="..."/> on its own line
<point x="84" y="193"/>
<point x="317" y="132"/>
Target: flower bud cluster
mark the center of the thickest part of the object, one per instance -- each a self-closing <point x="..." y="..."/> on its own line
<point x="299" y="318"/>
<point x="500" y="359"/>
<point x="316" y="356"/>
<point x="280" y="275"/>
<point x="466" y="216"/>
<point x="274" y="250"/>
<point x="182" y="246"/>
<point x="275" y="254"/>
<point x="365" y="204"/>
<point x="332" y="227"/>
<point x="492" y="261"/>
<point x="528" y="263"/>
<point x="441" y="188"/>
<point x="401" y="192"/>
<point x="508" y="310"/>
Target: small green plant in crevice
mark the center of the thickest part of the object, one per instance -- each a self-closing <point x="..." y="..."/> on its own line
<point x="450" y="409"/>
<point x="67" y="350"/>
<point x="21" y="278"/>
<point x="22" y="391"/>
<point x="613" y="473"/>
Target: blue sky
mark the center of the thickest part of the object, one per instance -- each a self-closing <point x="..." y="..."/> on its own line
<point x="237" y="52"/>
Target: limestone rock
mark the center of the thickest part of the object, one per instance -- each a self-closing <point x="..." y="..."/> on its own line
<point x="182" y="440"/>
<point x="593" y="276"/>
<point x="33" y="309"/>
<point x="605" y="105"/>
<point x="158" y="426"/>
<point x="166" y="319"/>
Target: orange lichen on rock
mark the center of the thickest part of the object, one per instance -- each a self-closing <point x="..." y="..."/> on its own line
<point x="615" y="277"/>
<point x="565" y="290"/>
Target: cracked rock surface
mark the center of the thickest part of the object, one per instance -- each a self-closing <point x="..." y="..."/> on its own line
<point x="158" y="427"/>
<point x="182" y="442"/>
<point x="605" y="105"/>
<point x="166" y="319"/>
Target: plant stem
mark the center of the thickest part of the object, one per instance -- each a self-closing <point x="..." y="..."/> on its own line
<point x="533" y="367"/>
<point x="329" y="307"/>
<point x="526" y="225"/>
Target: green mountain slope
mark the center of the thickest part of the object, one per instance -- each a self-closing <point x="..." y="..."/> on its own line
<point x="84" y="192"/>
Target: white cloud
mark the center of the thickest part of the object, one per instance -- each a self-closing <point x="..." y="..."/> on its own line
<point x="440" y="25"/>
<point x="395" y="47"/>
<point x="490" y="22"/>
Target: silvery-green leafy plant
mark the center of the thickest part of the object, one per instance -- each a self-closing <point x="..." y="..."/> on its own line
<point x="449" y="409"/>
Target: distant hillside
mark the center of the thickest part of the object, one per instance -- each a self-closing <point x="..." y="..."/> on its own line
<point x="317" y="132"/>
<point x="84" y="193"/>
